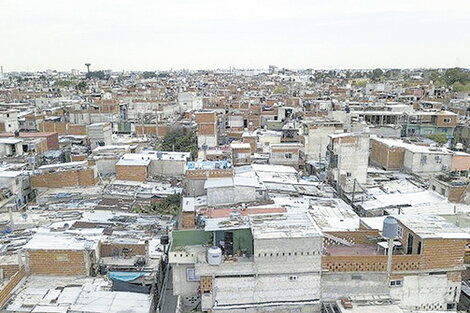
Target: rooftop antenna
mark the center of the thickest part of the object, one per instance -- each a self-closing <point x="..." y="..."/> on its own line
<point x="88" y="67"/>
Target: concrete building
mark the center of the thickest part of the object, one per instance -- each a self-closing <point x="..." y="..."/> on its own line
<point x="348" y="159"/>
<point x="278" y="266"/>
<point x="9" y="121"/>
<point x="286" y="154"/>
<point x="189" y="101"/>
<point x="51" y="138"/>
<point x="140" y="166"/>
<point x="423" y="123"/>
<point x="426" y="160"/>
<point x="99" y="134"/>
<point x="315" y="137"/>
<point x="241" y="153"/>
<point x="426" y="265"/>
<point x="197" y="172"/>
<point x="455" y="189"/>
<point x="233" y="190"/>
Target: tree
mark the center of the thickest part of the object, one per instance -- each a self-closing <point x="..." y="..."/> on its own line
<point x="183" y="140"/>
<point x="147" y="75"/>
<point x="170" y="205"/>
<point x="440" y="139"/>
<point x="376" y="74"/>
<point x="96" y="74"/>
<point x="453" y="75"/>
<point x="81" y="86"/>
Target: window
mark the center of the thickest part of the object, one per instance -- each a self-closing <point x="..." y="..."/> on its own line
<point x="420" y="246"/>
<point x="356" y="277"/>
<point x="288" y="155"/>
<point x="396" y="283"/>
<point x="433" y="188"/>
<point x="400" y="232"/>
<point x="451" y="306"/>
<point x="191" y="275"/>
<point x="409" y="248"/>
<point x="438" y="160"/>
<point x="348" y="174"/>
<point x="446" y="120"/>
<point x="424" y="159"/>
<point x="293" y="277"/>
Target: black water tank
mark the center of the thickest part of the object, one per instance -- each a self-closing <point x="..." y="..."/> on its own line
<point x="164" y="240"/>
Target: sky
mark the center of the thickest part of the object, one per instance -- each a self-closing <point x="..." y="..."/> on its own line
<point x="208" y="34"/>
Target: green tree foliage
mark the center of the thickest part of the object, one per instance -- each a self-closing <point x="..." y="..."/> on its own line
<point x="360" y="83"/>
<point x="440" y="139"/>
<point x="170" y="205"/>
<point x="376" y="74"/>
<point x="63" y="83"/>
<point x="147" y="75"/>
<point x="96" y="75"/>
<point x="453" y="75"/>
<point x="81" y="86"/>
<point x="183" y="140"/>
<point x="280" y="90"/>
<point x="458" y="79"/>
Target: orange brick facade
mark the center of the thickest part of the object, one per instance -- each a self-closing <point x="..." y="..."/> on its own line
<point x="135" y="173"/>
<point x="72" y="178"/>
<point x="58" y="262"/>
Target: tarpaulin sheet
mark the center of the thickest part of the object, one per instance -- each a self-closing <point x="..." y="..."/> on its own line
<point x="126" y="276"/>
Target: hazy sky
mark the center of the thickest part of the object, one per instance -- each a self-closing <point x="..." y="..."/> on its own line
<point x="193" y="34"/>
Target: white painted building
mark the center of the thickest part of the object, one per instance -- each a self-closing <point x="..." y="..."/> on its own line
<point x="348" y="157"/>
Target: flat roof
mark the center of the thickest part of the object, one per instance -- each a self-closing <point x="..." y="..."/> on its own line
<point x="283" y="225"/>
<point x="61" y="241"/>
<point x="11" y="141"/>
<point x="60" y="294"/>
<point x="133" y="162"/>
<point x="432" y="227"/>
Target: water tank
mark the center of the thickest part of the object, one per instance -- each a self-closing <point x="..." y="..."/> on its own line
<point x="164" y="240"/>
<point x="214" y="256"/>
<point x="390" y="227"/>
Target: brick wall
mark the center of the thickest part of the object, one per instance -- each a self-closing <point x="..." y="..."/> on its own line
<point x="369" y="263"/>
<point x="457" y="194"/>
<point x="443" y="253"/>
<point x="78" y="157"/>
<point x="205" y="117"/>
<point x="452" y="120"/>
<point x="206" y="129"/>
<point x="203" y="174"/>
<point x="135" y="173"/>
<point x="6" y="291"/>
<point x="361" y="236"/>
<point x="108" y="249"/>
<point x="57" y="262"/>
<point x="74" y="129"/>
<point x="72" y="178"/>
<point x="9" y="270"/>
<point x="62" y="128"/>
<point x="390" y="158"/>
<point x="150" y="130"/>
<point x="188" y="220"/>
